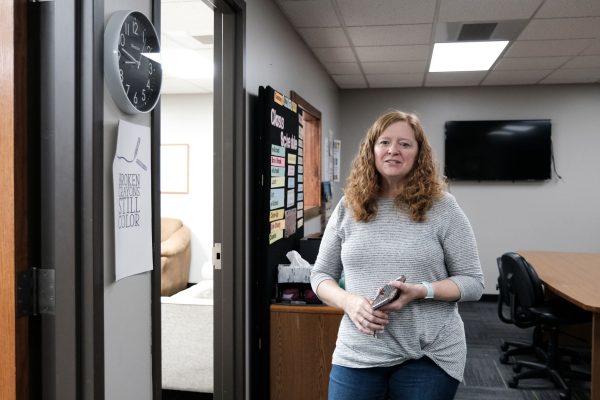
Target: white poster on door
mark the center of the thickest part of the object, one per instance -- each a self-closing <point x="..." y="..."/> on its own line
<point x="132" y="200"/>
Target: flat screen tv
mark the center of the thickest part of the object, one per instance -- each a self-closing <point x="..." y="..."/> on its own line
<point x="501" y="150"/>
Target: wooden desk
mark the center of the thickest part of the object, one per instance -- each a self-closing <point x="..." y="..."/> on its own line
<point x="576" y="278"/>
<point x="302" y="342"/>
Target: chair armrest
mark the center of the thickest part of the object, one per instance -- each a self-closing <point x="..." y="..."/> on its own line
<point x="176" y="243"/>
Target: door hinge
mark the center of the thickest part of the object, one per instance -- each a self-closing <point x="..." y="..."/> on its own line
<point x="35" y="292"/>
<point x="216" y="256"/>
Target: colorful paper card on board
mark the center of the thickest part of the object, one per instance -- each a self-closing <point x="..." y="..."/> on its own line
<point x="277" y="199"/>
<point x="275" y="215"/>
<point x="277" y="150"/>
<point x="275" y="236"/>
<point x="278" y="161"/>
<point x="290" y="198"/>
<point x="278" y="225"/>
<point x="277" y="181"/>
<point x="277" y="171"/>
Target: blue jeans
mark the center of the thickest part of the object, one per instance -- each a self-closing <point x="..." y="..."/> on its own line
<point x="418" y="379"/>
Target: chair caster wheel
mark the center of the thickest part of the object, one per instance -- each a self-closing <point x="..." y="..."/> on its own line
<point x="564" y="395"/>
<point x="517" y="368"/>
<point x="513" y="383"/>
<point x="504" y="359"/>
<point x="504" y="347"/>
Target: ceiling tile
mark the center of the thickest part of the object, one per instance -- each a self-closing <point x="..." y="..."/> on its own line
<point x="394" y="67"/>
<point x="573" y="76"/>
<point x="310" y="13"/>
<point x="527" y="63"/>
<point x="569" y="8"/>
<point x="584" y="62"/>
<point x="454" y="78"/>
<point x="561" y="28"/>
<point x="486" y="10"/>
<point x="386" y="12"/>
<point x="395" y="80"/>
<point x="390" y="35"/>
<point x="334" y="54"/>
<point x="350" y="81"/>
<point x="393" y="53"/>
<point x="515" y="77"/>
<point x="593" y="49"/>
<point x="324" y="37"/>
<point x="547" y="48"/>
<point x="346" y="68"/>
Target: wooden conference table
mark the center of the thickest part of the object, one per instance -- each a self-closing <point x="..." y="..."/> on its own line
<point x="576" y="278"/>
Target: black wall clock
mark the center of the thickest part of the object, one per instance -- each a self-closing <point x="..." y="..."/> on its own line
<point x="132" y="61"/>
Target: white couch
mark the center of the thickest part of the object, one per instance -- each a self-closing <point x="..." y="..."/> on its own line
<point x="187" y="339"/>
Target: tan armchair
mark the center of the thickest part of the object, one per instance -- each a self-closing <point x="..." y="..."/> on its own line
<point x="175" y="256"/>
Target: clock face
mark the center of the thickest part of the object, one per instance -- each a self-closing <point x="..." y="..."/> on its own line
<point x="140" y="74"/>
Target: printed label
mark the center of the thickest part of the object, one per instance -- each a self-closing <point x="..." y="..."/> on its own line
<point x="277" y="150"/>
<point x="278" y="98"/>
<point x="276" y="198"/>
<point x="278" y="161"/>
<point x="275" y="236"/>
<point x="277" y="171"/>
<point x="277" y="181"/>
<point x="275" y="214"/>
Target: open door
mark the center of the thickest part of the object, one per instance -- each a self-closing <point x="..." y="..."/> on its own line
<point x="49" y="222"/>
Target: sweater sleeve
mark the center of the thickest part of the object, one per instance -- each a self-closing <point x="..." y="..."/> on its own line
<point x="329" y="262"/>
<point x="461" y="255"/>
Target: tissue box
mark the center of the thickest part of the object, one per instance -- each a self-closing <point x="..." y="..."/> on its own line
<point x="286" y="273"/>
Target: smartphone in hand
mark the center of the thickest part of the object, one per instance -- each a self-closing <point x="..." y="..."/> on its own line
<point x="387" y="294"/>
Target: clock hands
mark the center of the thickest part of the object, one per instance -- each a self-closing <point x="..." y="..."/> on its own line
<point x="142" y="50"/>
<point x="133" y="60"/>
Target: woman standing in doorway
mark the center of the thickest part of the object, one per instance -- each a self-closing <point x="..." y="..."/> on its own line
<point x="397" y="219"/>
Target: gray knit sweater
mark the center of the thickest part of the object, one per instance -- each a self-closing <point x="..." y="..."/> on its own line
<point x="374" y="253"/>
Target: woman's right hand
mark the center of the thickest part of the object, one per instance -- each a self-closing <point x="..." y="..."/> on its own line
<point x="364" y="318"/>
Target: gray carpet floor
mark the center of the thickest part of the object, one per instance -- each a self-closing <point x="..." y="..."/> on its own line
<point x="485" y="377"/>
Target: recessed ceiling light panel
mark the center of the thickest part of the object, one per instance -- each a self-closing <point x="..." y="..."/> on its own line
<point x="465" y="56"/>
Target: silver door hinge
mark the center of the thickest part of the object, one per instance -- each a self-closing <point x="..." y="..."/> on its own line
<point x="216" y="256"/>
<point x="36" y="292"/>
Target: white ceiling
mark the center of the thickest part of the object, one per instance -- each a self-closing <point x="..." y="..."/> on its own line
<point x="388" y="43"/>
<point x="187" y="25"/>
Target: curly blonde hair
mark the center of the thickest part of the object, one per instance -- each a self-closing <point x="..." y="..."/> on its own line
<point x="424" y="183"/>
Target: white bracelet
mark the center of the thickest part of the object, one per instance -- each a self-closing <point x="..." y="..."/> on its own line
<point x="429" y="288"/>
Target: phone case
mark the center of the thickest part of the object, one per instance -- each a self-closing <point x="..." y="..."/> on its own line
<point x="387" y="295"/>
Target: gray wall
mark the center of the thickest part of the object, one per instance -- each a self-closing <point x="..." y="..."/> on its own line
<point x="277" y="56"/>
<point x="561" y="215"/>
<point x="127" y="318"/>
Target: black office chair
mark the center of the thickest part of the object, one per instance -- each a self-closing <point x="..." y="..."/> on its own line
<point x="511" y="348"/>
<point x="528" y="306"/>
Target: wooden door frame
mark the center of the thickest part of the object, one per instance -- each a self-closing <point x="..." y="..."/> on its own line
<point x="316" y="114"/>
<point x="14" y="355"/>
